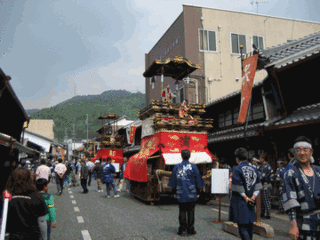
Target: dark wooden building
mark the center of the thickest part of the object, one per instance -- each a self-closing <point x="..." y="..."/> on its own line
<point x="12" y="120"/>
<point x="285" y="105"/>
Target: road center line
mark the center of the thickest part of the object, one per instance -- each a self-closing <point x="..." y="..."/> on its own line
<point x="76" y="209"/>
<point x="86" y="235"/>
<point x="71" y="196"/>
<point x="80" y="219"/>
<point x="74" y="202"/>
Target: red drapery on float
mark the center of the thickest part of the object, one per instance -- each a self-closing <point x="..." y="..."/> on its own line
<point x="249" y="70"/>
<point x="115" y="154"/>
<point x="168" y="142"/>
<point x="132" y="133"/>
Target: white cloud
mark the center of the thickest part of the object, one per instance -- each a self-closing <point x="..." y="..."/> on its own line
<point x="32" y="103"/>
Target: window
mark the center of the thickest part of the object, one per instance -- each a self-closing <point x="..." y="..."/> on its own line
<point x="228" y="117"/>
<point x="207" y="40"/>
<point x="179" y="96"/>
<point x="221" y="120"/>
<point x="258" y="41"/>
<point x="236" y="41"/>
<point x="235" y="115"/>
<point x="257" y="112"/>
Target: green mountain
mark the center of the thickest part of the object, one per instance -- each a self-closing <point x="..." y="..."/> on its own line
<point x="74" y="110"/>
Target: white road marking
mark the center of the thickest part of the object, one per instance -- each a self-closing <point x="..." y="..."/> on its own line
<point x="217" y="210"/>
<point x="86" y="235"/>
<point x="272" y="214"/>
<point x="69" y="188"/>
<point x="76" y="209"/>
<point x="74" y="202"/>
<point x="80" y="219"/>
<point x="70" y="192"/>
<point x="71" y="196"/>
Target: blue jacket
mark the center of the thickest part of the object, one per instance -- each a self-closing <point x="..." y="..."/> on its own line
<point x="107" y="175"/>
<point x="186" y="180"/>
<point x="245" y="179"/>
<point x="297" y="193"/>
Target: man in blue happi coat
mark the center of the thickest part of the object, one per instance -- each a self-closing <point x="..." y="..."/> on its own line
<point x="186" y="181"/>
<point x="107" y="177"/>
<point x="245" y="188"/>
<point x="300" y="190"/>
<point x="267" y="175"/>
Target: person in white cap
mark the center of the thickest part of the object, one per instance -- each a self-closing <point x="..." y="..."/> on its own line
<point x="99" y="170"/>
<point x="301" y="192"/>
<point x="255" y="161"/>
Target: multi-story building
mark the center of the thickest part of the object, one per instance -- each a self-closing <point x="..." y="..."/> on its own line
<point x="212" y="38"/>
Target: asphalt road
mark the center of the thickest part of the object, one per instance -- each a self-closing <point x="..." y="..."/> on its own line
<point x="93" y="216"/>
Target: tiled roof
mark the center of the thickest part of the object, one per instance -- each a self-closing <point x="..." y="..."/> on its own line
<point x="289" y="53"/>
<point x="230" y="95"/>
<point x="238" y="132"/>
<point x="302" y="114"/>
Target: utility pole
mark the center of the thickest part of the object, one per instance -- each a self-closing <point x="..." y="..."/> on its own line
<point x="87" y="123"/>
<point x="73" y="139"/>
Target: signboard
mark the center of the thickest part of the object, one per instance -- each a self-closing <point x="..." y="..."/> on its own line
<point x="220" y="181"/>
<point x="116" y="166"/>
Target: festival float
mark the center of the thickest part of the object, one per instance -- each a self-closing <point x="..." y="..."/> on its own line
<point x="110" y="143"/>
<point x="167" y="129"/>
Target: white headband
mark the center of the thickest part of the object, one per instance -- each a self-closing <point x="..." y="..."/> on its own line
<point x="255" y="159"/>
<point x="302" y="144"/>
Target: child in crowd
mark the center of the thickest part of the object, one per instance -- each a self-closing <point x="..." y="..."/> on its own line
<point x="42" y="186"/>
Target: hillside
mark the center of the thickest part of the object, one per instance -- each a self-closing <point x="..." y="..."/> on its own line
<point x="75" y="109"/>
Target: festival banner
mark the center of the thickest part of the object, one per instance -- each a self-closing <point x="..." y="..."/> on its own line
<point x="132" y="133"/>
<point x="115" y="154"/>
<point x="249" y="71"/>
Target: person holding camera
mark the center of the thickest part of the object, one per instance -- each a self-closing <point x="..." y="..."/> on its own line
<point x="301" y="193"/>
<point x="245" y="188"/>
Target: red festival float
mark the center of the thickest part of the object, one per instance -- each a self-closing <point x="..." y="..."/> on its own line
<point x="110" y="142"/>
<point x="166" y="130"/>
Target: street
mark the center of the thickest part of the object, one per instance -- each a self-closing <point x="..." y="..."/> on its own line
<point x="94" y="216"/>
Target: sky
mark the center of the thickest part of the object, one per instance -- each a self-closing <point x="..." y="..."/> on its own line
<point x="56" y="49"/>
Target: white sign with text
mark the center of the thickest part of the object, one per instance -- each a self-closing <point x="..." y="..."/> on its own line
<point x="220" y="181"/>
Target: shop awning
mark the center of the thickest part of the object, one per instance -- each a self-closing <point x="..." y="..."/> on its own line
<point x="196" y="158"/>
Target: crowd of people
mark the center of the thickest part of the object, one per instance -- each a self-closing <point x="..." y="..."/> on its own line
<point x="31" y="213"/>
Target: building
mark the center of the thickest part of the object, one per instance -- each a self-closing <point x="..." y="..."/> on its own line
<point x="13" y="117"/>
<point x="284" y="106"/>
<point x="212" y="38"/>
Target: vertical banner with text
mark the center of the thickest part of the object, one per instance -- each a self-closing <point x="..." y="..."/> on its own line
<point x="132" y="133"/>
<point x="249" y="70"/>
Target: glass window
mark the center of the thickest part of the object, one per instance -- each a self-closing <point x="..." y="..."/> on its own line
<point x="228" y="118"/>
<point x="258" y="41"/>
<point x="257" y="112"/>
<point x="236" y="41"/>
<point x="221" y="120"/>
<point x="207" y="40"/>
<point x="212" y="41"/>
<point x="235" y="115"/>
